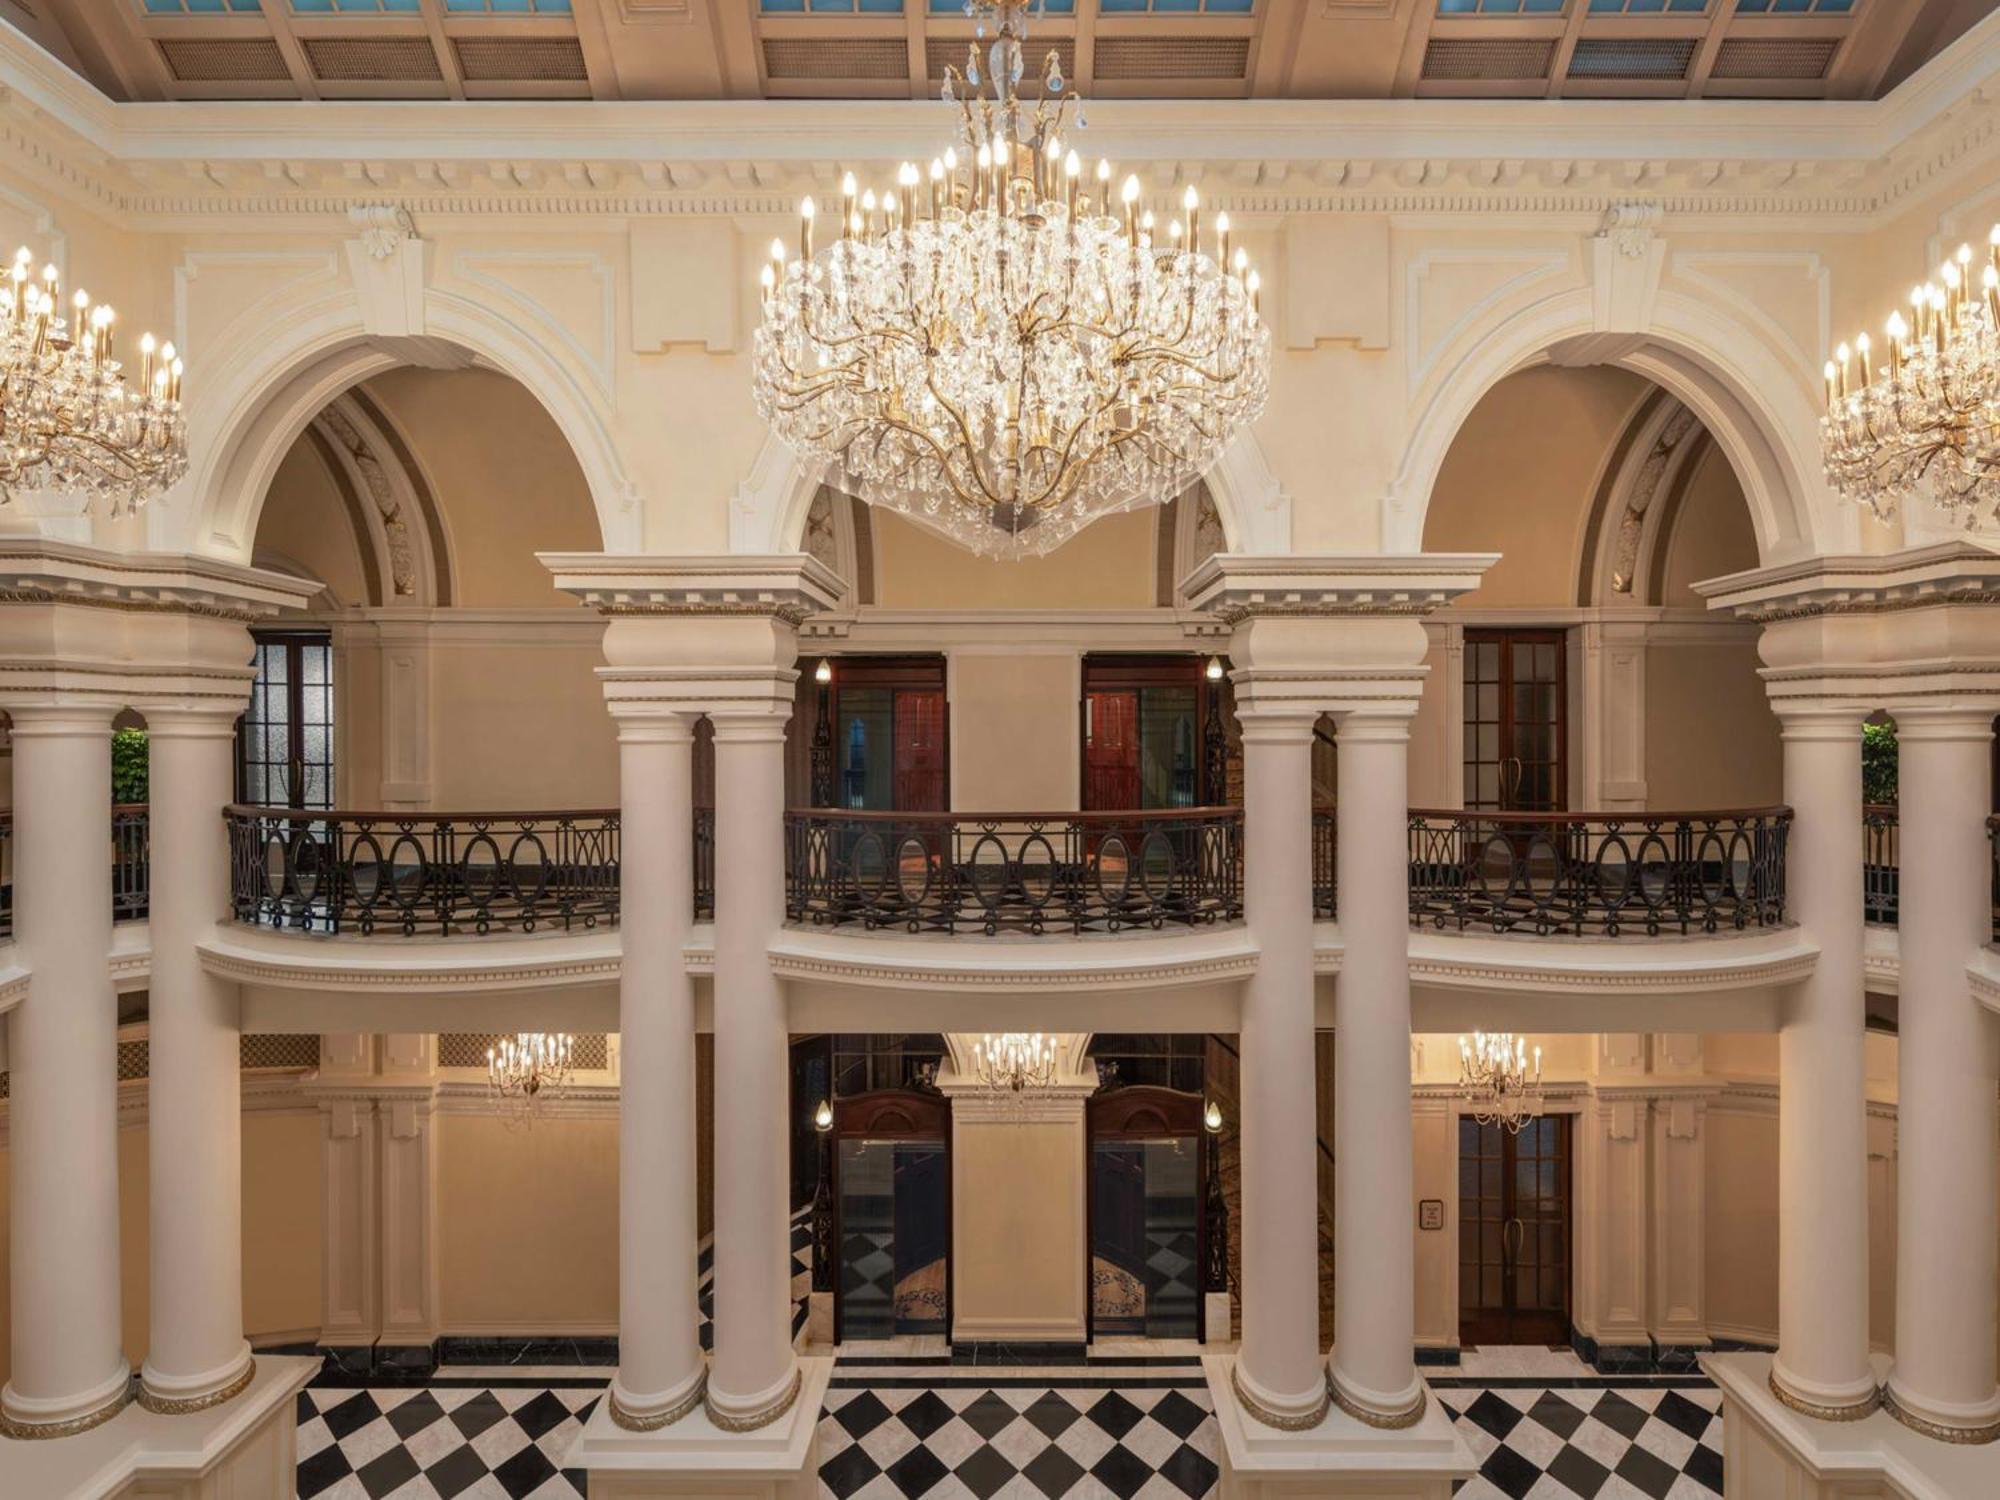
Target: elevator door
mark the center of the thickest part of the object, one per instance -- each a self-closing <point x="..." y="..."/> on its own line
<point x="1514" y="1232"/>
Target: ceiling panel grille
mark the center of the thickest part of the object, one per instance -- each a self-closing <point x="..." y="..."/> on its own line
<point x="1639" y="57"/>
<point x="836" y="57"/>
<point x="1483" y="59"/>
<point x="520" y="58"/>
<point x="220" y="60"/>
<point x="372" y="59"/>
<point x="1127" y="57"/>
<point x="1774" y="57"/>
<point x="939" y="51"/>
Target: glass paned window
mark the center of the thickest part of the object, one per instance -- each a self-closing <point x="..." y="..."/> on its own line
<point x="1647" y="7"/>
<point x="509" y="7"/>
<point x="1794" y="7"/>
<point x="831" y="7"/>
<point x="1049" y="7"/>
<point x="1176" y="7"/>
<point x="357" y="7"/>
<point x="284" y="741"/>
<point x="1500" y="7"/>
<point x="203" y="7"/>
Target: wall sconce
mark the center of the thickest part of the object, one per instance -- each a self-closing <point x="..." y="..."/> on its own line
<point x="1215" y="669"/>
<point x="823" y="673"/>
<point x="1211" y="1118"/>
<point x="823" y="1117"/>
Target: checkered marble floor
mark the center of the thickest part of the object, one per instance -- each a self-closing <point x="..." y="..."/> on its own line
<point x="918" y="1429"/>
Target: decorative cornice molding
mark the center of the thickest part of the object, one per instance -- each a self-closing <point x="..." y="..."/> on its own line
<point x="328" y="963"/>
<point x="1237" y="586"/>
<point x="40" y="570"/>
<point x="1958" y="573"/>
<point x="971" y="963"/>
<point x="790" y="587"/>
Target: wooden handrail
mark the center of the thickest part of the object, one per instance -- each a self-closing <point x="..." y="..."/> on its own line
<point x="408" y="815"/>
<point x="1630" y="815"/>
<point x="1137" y="814"/>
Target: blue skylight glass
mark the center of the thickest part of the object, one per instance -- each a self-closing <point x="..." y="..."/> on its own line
<point x="1794" y="7"/>
<point x="1500" y="7"/>
<point x="203" y="7"/>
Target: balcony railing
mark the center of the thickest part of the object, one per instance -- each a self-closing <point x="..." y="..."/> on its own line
<point x="1599" y="874"/>
<point x="1881" y="863"/>
<point x="1015" y="872"/>
<point x="130" y="866"/>
<point x="401" y="872"/>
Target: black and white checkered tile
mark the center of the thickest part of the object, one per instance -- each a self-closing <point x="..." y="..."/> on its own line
<point x="1657" y="1441"/>
<point x="801" y="1237"/>
<point x="440" y="1442"/>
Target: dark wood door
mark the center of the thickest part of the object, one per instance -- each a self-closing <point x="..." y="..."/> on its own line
<point x="1516" y="721"/>
<point x="1111" y="750"/>
<point x="1514" y="1232"/>
<point x="920" y="750"/>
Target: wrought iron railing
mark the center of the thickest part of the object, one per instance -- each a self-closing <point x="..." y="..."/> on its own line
<point x="1881" y="863"/>
<point x="1015" y="872"/>
<point x="131" y="862"/>
<point x="1599" y="874"/>
<point x="1325" y="886"/>
<point x="704" y="864"/>
<point x="406" y="872"/>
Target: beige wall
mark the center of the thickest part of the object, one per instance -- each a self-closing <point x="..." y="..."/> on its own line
<point x="521" y="727"/>
<point x="1711" y="738"/>
<point x="1109" y="565"/>
<point x="1014" y="731"/>
<point x="1018" y="1229"/>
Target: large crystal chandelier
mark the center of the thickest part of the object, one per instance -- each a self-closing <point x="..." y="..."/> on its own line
<point x="1008" y="346"/>
<point x="528" y="1070"/>
<point x="1497" y="1081"/>
<point x="68" y="420"/>
<point x="1924" y="416"/>
<point x="1012" y="1062"/>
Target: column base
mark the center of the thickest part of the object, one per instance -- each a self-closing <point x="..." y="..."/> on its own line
<point x="1945" y="1424"/>
<point x="1769" y="1448"/>
<point x="180" y="1396"/>
<point x="1285" y="1414"/>
<point x="1337" y="1456"/>
<point x="636" y="1413"/>
<point x="696" y="1457"/>
<point x="1822" y="1403"/>
<point x="28" y="1417"/>
<point x="730" y="1413"/>
<point x="1388" y="1410"/>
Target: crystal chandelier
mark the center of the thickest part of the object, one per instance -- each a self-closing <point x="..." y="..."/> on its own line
<point x="1495" y="1081"/>
<point x="1926" y="416"/>
<point x="68" y="420"/>
<point x="1008" y="347"/>
<point x="1013" y="1062"/>
<point x="527" y="1070"/>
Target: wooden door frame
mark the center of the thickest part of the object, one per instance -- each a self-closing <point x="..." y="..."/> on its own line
<point x="891" y="1115"/>
<point x="1140" y="1112"/>
<point x="918" y="672"/>
<point x="1565" y="1111"/>
<point x="292" y="639"/>
<point x="1130" y="671"/>
<point x="1534" y="635"/>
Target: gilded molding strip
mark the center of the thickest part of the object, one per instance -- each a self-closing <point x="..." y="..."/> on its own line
<point x="1270" y="1418"/>
<point x="181" y="1406"/>
<point x="1853" y="1412"/>
<point x="1961" y="1436"/>
<point x="1409" y="1416"/>
<point x="695" y="1397"/>
<point x="755" y="1419"/>
<point x="33" y="1431"/>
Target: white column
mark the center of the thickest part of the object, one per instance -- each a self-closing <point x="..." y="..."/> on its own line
<point x="1374" y="1364"/>
<point x="1822" y="1363"/>
<point x="1943" y="1380"/>
<point x="69" y="1370"/>
<point x="1279" y="1375"/>
<point x="755" y="1377"/>
<point x="660" y="1367"/>
<point x="196" y="1355"/>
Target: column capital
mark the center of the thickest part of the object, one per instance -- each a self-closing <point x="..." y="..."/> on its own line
<point x="1944" y="723"/>
<point x="660" y="727"/>
<point x="1834" y="723"/>
<point x="1376" y="723"/>
<point x="206" y="720"/>
<point x="59" y="720"/>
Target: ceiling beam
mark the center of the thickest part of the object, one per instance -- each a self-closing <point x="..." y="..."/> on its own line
<point x="447" y="58"/>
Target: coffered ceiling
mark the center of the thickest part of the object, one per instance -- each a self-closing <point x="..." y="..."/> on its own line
<point x="877" y="49"/>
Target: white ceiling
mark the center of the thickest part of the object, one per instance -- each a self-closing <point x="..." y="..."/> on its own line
<point x="731" y="49"/>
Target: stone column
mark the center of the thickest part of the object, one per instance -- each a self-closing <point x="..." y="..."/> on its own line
<point x="1943" y="1381"/>
<point x="1279" y="1376"/>
<point x="660" y="1368"/>
<point x="1822" y="1364"/>
<point x="755" y="1377"/>
<point x="1374" y="1365"/>
<point x="196" y="1355"/>
<point x="69" y="1371"/>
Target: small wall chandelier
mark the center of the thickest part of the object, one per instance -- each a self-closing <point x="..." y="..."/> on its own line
<point x="528" y="1070"/>
<point x="68" y="421"/>
<point x="1926" y="416"/>
<point x="1495" y="1079"/>
<point x="1012" y="1062"/>
<point x="1008" y="347"/>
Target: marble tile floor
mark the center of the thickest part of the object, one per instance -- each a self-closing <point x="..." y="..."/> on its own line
<point x="909" y="1426"/>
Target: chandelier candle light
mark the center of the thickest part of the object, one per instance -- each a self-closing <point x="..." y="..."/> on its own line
<point x="1010" y="345"/>
<point x="1013" y="1062"/>
<point x="528" y="1069"/>
<point x="1923" y="414"/>
<point x="1495" y="1080"/>
<point x="68" y="421"/>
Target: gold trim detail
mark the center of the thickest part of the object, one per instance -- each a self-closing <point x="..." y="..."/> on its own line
<point x="755" y="1419"/>
<point x="32" y="1431"/>
<point x="181" y="1406"/>
<point x="1409" y="1416"/>
<point x="1853" y="1412"/>
<point x="1963" y="1436"/>
<point x="667" y="1418"/>
<point x="1273" y="1419"/>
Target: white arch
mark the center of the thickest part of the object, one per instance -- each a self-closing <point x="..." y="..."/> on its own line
<point x="261" y="393"/>
<point x="1748" y="397"/>
<point x="768" y="513"/>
